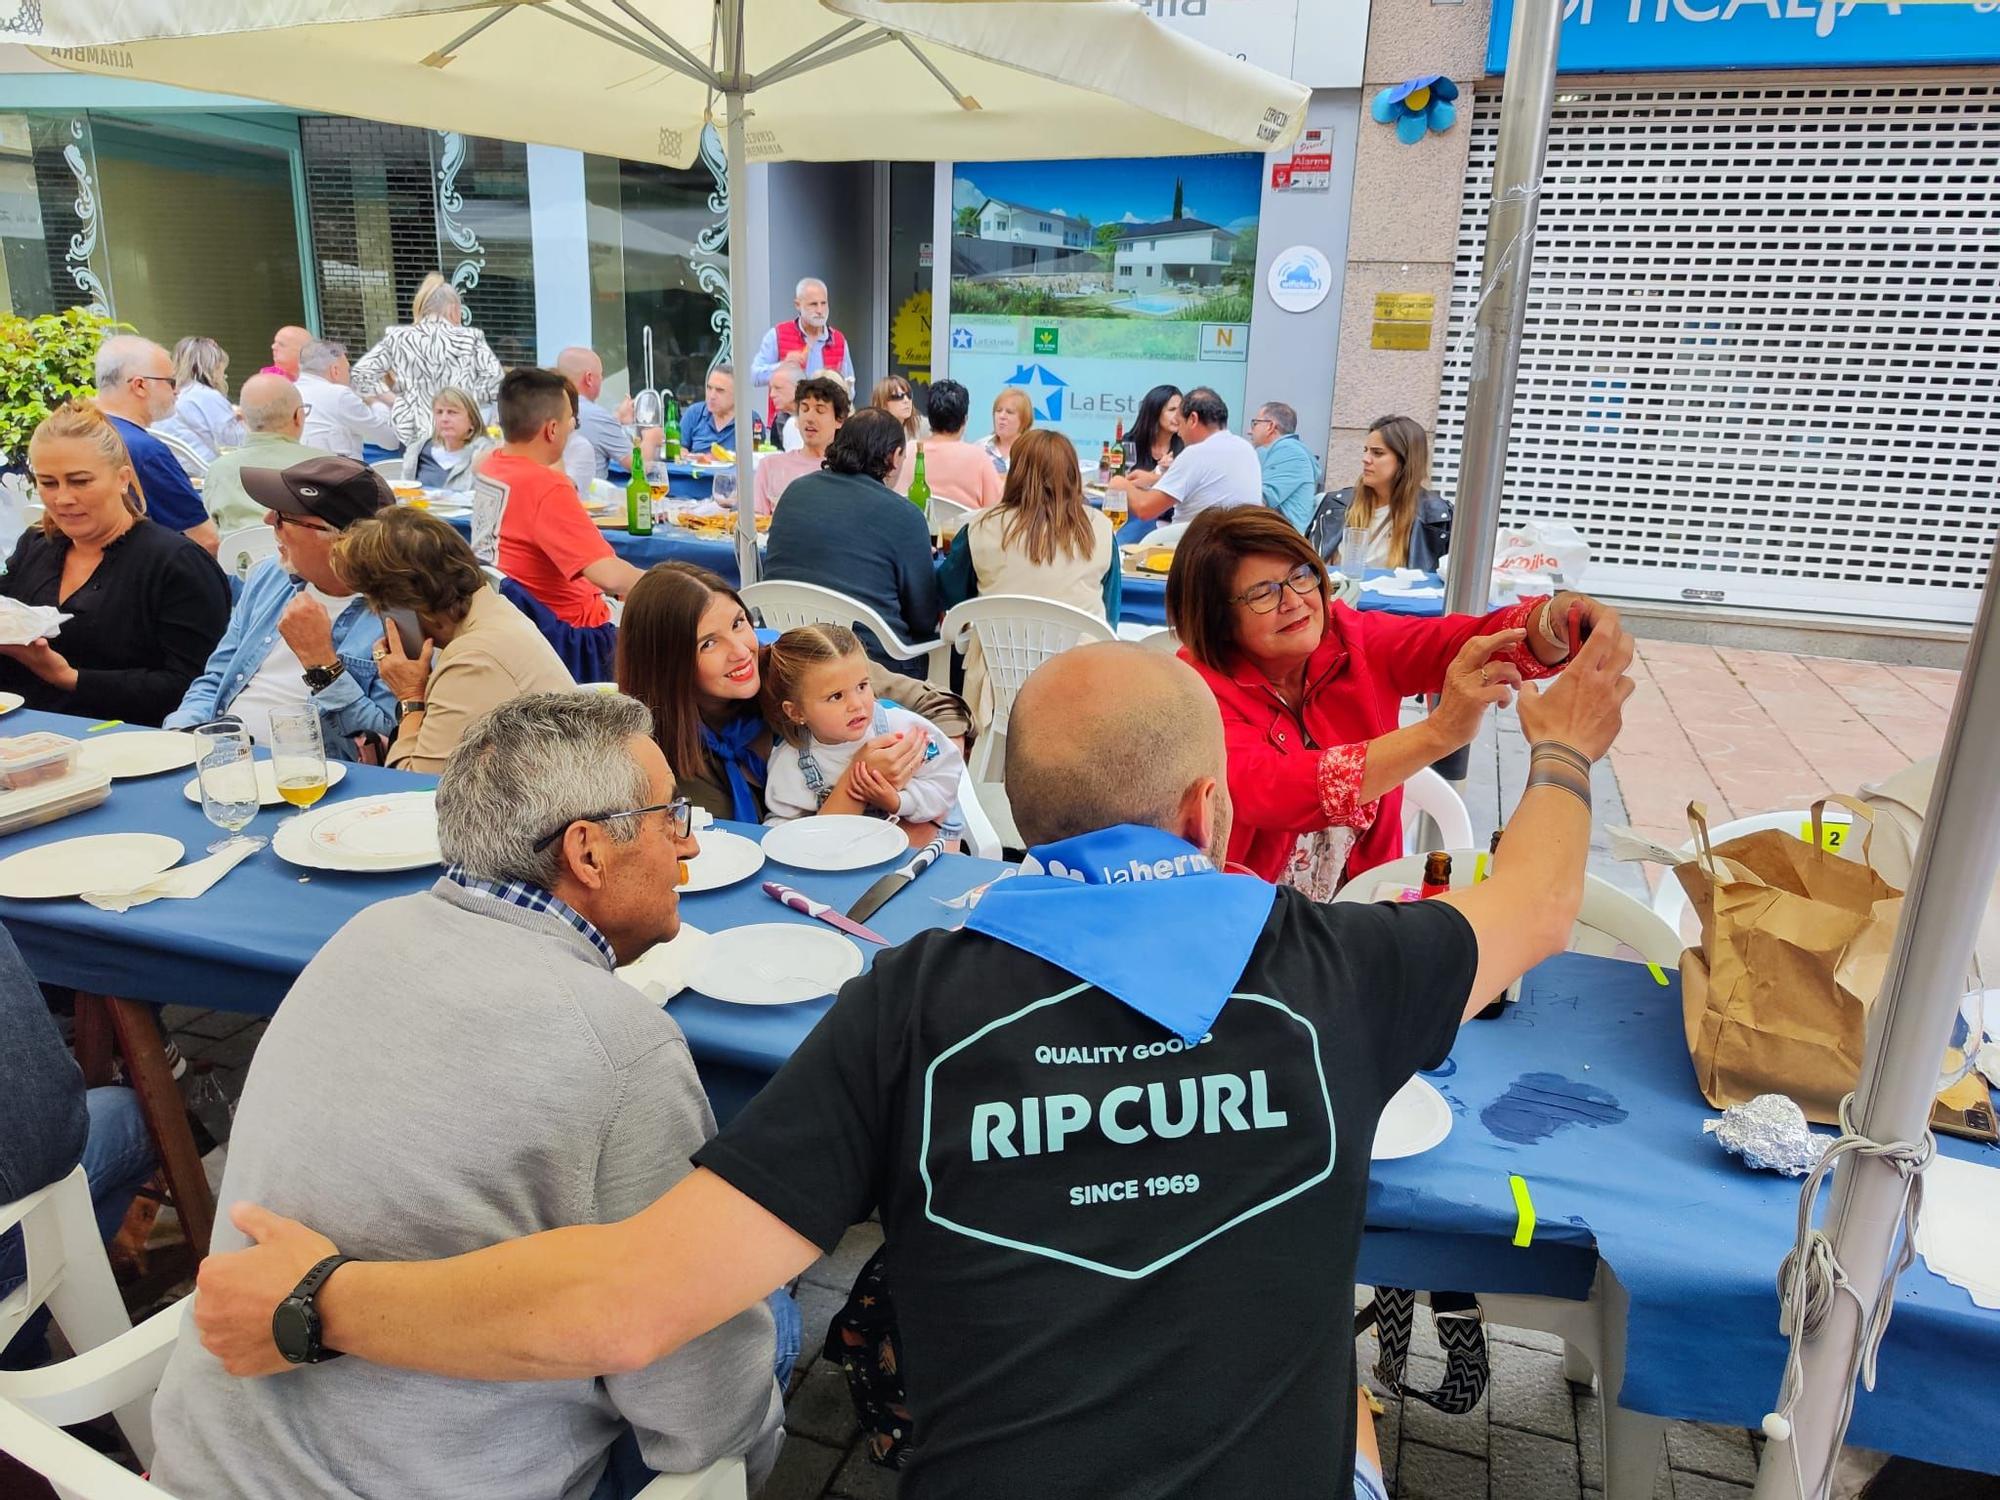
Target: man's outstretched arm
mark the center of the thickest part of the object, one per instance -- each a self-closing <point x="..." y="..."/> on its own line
<point x="577" y="1302"/>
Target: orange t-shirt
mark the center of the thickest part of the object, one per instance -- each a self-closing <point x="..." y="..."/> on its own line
<point x="547" y="539"/>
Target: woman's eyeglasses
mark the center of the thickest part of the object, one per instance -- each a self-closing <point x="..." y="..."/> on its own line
<point x="1263" y="597"/>
<point x="680" y="818"/>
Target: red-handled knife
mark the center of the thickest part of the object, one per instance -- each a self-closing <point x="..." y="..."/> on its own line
<point x="798" y="901"/>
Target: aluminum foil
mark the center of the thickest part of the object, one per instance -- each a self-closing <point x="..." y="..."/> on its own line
<point x="1769" y="1133"/>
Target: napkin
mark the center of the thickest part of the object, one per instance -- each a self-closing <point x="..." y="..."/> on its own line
<point x="22" y="624"/>
<point x="1958" y="1225"/>
<point x="183" y="882"/>
<point x="1400" y="588"/>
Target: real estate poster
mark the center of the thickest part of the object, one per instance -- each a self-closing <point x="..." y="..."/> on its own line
<point x="1087" y="283"/>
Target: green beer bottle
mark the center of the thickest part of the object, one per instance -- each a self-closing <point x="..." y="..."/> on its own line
<point x="671" y="448"/>
<point x="638" y="497"/>
<point x="920" y="487"/>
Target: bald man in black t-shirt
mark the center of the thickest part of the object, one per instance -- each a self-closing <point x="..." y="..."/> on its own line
<point x="1122" y="1197"/>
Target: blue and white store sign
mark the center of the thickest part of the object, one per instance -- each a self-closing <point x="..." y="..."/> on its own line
<point x="1649" y="36"/>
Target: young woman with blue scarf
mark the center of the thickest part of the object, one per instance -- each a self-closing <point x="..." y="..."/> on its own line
<point x="688" y="650"/>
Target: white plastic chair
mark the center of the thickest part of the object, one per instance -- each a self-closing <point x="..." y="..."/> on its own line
<point x="1670" y="902"/>
<point x="1016" y="634"/>
<point x="192" y="462"/>
<point x="242" y="550"/>
<point x="783" y="605"/>
<point x="948" y="515"/>
<point x="69" y="1273"/>
<point x="981" y="837"/>
<point x="1608" y="921"/>
<point x="489" y="504"/>
<point x="403" y="466"/>
<point x="35" y="1405"/>
<point x="1428" y="794"/>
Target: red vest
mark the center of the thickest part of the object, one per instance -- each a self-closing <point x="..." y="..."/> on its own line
<point x="792" y="338"/>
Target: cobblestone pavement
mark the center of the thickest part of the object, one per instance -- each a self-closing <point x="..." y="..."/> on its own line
<point x="1741" y="730"/>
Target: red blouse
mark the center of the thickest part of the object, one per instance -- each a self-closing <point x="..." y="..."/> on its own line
<point x="1292" y="774"/>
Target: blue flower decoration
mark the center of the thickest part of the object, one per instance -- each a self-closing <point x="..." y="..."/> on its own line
<point x="1417" y="107"/>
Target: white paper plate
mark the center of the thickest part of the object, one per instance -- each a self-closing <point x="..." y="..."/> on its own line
<point x="725" y="858"/>
<point x="397" y="832"/>
<point x="1418" y="1118"/>
<point x="267" y="782"/>
<point x="100" y="862"/>
<point x="661" y="972"/>
<point x="141" y="752"/>
<point x="835" y="842"/>
<point x="10" y="701"/>
<point x="774" y="963"/>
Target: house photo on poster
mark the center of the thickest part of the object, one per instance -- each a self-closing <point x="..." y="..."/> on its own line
<point x="1086" y="283"/>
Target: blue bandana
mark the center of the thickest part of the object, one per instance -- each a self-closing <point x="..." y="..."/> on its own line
<point x="1144" y="916"/>
<point x="732" y="745"/>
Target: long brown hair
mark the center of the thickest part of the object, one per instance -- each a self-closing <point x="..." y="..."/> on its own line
<point x="789" y="658"/>
<point x="656" y="654"/>
<point x="83" y="421"/>
<point x="400" y="558"/>
<point x="1200" y="610"/>
<point x="1405" y="437"/>
<point x="1042" y="501"/>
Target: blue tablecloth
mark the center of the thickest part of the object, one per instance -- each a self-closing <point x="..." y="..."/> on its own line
<point x="666" y="544"/>
<point x="240" y="946"/>
<point x="1693" y="1235"/>
<point x="1144" y="599"/>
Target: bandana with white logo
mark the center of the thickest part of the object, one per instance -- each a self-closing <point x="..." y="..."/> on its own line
<point x="1144" y="916"/>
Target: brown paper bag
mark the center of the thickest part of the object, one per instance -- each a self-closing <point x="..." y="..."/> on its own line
<point x="1794" y="944"/>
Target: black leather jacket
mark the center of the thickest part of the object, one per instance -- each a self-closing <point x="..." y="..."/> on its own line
<point x="1430" y="538"/>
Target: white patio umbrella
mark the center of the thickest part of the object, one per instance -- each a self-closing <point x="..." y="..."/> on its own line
<point x="784" y="80"/>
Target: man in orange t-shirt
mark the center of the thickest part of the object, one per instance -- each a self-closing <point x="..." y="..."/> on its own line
<point x="953" y="468"/>
<point x="551" y="551"/>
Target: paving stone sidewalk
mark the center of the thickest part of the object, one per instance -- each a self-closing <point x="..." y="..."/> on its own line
<point x="1742" y="730"/>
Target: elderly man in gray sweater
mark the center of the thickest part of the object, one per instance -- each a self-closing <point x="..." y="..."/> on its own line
<point x="461" y="1067"/>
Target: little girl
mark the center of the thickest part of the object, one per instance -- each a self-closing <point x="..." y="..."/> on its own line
<point x="840" y="750"/>
<point x="458" y="441"/>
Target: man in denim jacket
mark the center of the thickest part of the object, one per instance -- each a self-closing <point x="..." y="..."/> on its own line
<point x="297" y="634"/>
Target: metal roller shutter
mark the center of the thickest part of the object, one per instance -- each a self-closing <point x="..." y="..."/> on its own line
<point x="1762" y="359"/>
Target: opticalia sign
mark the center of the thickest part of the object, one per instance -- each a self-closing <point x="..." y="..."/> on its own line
<point x="1646" y="36"/>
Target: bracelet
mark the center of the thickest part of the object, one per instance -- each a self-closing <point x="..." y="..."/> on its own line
<point x="1545" y="626"/>
<point x="1557" y="750"/>
<point x="1549" y="776"/>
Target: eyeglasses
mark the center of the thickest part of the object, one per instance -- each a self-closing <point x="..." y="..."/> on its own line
<point x="297" y="525"/>
<point x="1263" y="597"/>
<point x="680" y="818"/>
<point x="1262" y="422"/>
<point x="163" y="379"/>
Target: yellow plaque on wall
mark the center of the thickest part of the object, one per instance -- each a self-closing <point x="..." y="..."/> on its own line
<point x="1405" y="307"/>
<point x="1390" y="335"/>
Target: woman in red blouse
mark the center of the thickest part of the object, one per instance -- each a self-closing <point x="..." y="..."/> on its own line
<point x="1310" y="691"/>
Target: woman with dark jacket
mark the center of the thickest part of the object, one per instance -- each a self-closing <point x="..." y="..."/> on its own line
<point x="1408" y="525"/>
<point x="145" y="605"/>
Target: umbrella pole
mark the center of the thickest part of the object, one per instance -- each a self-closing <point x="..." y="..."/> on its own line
<point x="1909" y="1027"/>
<point x="1530" y="86"/>
<point x="742" y="346"/>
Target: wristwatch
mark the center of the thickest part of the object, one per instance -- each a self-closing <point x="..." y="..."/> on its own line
<point x="410" y="706"/>
<point x="318" y="679"/>
<point x="295" y="1325"/>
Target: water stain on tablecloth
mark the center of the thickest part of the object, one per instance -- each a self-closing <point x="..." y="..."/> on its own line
<point x="1537" y="1105"/>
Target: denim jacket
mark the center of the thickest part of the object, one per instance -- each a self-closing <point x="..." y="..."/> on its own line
<point x="358" y="702"/>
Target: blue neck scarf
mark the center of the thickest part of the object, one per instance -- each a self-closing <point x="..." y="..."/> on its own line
<point x="1144" y="916"/>
<point x="731" y="744"/>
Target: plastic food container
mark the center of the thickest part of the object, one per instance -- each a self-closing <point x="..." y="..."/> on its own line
<point x="31" y="759"/>
<point x="44" y="803"/>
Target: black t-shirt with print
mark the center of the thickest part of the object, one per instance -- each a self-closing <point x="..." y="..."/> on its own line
<point x="1123" y="1266"/>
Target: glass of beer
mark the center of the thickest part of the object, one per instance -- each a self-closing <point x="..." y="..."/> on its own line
<point x="298" y="754"/>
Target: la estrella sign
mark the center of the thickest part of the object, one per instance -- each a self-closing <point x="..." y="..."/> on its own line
<point x="1646" y="36"/>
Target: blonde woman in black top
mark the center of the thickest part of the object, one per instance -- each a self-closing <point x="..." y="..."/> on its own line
<point x="146" y="605"/>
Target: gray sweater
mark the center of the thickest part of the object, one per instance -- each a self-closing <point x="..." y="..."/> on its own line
<point x="448" y="1072"/>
